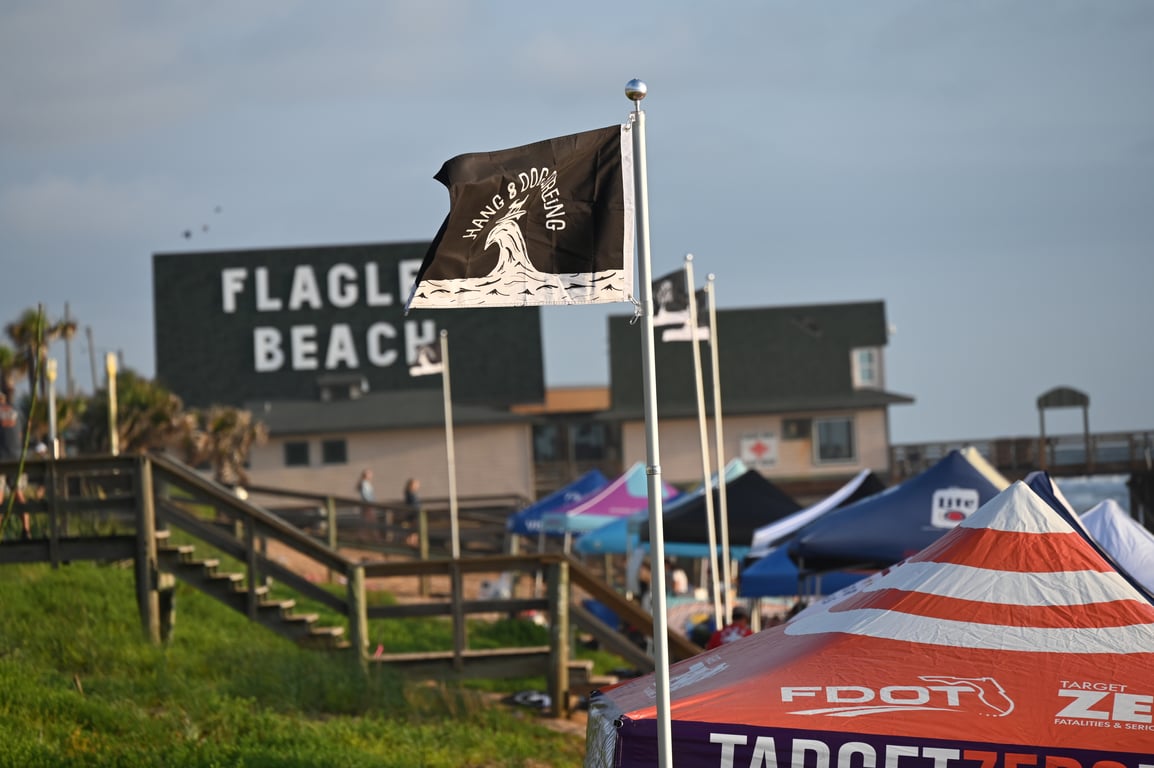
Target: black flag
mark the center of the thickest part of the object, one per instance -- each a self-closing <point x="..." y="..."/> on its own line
<point x="671" y="299"/>
<point x="428" y="360"/>
<point x="546" y="223"/>
<point x="682" y="331"/>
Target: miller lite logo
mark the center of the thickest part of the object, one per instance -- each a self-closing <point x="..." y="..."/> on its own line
<point x="953" y="505"/>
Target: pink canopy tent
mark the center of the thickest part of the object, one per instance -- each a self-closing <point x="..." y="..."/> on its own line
<point x="626" y="495"/>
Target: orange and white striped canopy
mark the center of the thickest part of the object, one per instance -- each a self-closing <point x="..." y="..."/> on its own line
<point x="1009" y="641"/>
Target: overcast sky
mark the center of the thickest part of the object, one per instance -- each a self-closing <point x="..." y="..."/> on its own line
<point x="984" y="168"/>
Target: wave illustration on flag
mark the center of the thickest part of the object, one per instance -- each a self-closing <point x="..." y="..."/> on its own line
<point x="684" y="332"/>
<point x="428" y="361"/>
<point x="671" y="308"/>
<point x="671" y="299"/>
<point x="546" y="223"/>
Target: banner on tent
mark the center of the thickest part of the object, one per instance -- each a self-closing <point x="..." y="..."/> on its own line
<point x="953" y="505"/>
<point x="731" y="746"/>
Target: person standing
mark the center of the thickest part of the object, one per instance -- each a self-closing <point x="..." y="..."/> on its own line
<point x="11" y="440"/>
<point x="413" y="492"/>
<point x="365" y="491"/>
<point x="365" y="486"/>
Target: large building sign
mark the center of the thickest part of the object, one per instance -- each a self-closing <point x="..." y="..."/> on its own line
<point x="234" y="326"/>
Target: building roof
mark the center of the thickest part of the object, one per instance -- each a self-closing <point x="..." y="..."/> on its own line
<point x="406" y="409"/>
<point x="772" y="359"/>
<point x="862" y="399"/>
<point x="567" y="400"/>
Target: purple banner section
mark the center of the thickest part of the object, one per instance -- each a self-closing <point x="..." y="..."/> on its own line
<point x="710" y="745"/>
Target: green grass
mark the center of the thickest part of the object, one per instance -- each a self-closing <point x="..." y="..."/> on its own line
<point x="80" y="686"/>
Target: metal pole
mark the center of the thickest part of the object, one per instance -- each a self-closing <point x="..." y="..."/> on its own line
<point x="450" y="456"/>
<point x="1088" y="445"/>
<point x="113" y="433"/>
<point x="92" y="359"/>
<point x="706" y="474"/>
<point x="69" y="383"/>
<point x="51" y="376"/>
<point x="636" y="90"/>
<point x="719" y="447"/>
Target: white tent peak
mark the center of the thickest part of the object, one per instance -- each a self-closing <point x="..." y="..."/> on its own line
<point x="1124" y="538"/>
<point x="974" y="456"/>
<point x="1015" y="576"/>
<point x="1018" y="509"/>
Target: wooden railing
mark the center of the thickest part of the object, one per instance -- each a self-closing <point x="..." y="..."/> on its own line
<point x="111" y="508"/>
<point x="1097" y="453"/>
<point x="390" y="525"/>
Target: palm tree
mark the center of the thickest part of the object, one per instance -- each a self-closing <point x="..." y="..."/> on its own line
<point x="222" y="436"/>
<point x="33" y="334"/>
<point x="11" y="367"/>
<point x="148" y="416"/>
<point x="69" y="413"/>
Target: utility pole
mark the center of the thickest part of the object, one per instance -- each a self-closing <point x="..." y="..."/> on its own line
<point x="92" y="358"/>
<point x="69" y="382"/>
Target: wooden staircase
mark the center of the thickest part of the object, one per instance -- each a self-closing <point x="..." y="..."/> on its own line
<point x="230" y="589"/>
<point x="121" y="508"/>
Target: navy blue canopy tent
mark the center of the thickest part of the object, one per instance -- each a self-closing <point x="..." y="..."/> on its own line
<point x="768" y="569"/>
<point x="770" y="537"/>
<point x="527" y="522"/>
<point x="887" y="527"/>
<point x="776" y="575"/>
<point x="751" y="502"/>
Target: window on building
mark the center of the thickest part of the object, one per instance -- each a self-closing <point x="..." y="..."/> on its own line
<point x="296" y="454"/>
<point x="589" y="442"/>
<point x="334" y="452"/>
<point x="833" y="440"/>
<point x="547" y="443"/>
<point x="867" y="368"/>
<point x="795" y="429"/>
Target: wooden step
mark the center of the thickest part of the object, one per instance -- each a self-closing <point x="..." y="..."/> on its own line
<point x="280" y="607"/>
<point x="231" y="589"/>
<point x="182" y="553"/>
<point x="233" y="581"/>
<point x="590" y="684"/>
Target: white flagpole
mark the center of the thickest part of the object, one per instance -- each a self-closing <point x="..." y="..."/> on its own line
<point x="450" y="455"/>
<point x="707" y="475"/>
<point x="635" y="90"/>
<point x="719" y="446"/>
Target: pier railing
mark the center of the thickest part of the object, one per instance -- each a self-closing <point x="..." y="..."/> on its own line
<point x="1102" y="453"/>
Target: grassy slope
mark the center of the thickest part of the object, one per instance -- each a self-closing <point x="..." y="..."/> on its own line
<point x="79" y="686"/>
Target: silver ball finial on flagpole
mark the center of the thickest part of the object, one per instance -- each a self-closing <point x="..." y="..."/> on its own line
<point x="636" y="89"/>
